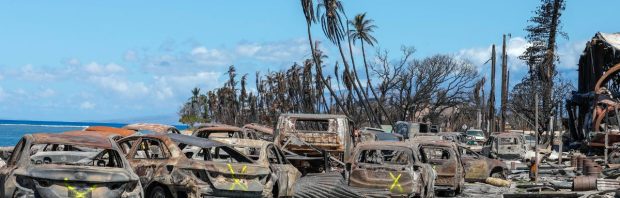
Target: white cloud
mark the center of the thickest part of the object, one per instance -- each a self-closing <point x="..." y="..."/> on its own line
<point x="284" y="51"/>
<point x="96" y="68"/>
<point x="87" y="105"/>
<point x="47" y="93"/>
<point x="119" y="85"/>
<point x="168" y="86"/>
<point x="570" y="53"/>
<point x="204" y="56"/>
<point x="73" y="61"/>
<point x="29" y="72"/>
<point x="130" y="55"/>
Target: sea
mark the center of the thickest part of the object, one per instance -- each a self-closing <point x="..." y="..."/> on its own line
<point x="12" y="130"/>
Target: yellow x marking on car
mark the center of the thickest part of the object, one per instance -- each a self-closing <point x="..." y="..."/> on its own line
<point x="237" y="181"/>
<point x="395" y="182"/>
<point x="78" y="193"/>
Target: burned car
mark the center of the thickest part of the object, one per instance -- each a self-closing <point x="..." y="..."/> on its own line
<point x="390" y="170"/>
<point x="322" y="142"/>
<point x="508" y="146"/>
<point x="222" y="131"/>
<point x="209" y="169"/>
<point x="478" y="167"/>
<point x="157" y="128"/>
<point x="456" y="137"/>
<point x="373" y="134"/>
<point x="268" y="154"/>
<point x="445" y="159"/>
<point x="68" y="165"/>
<point x="262" y="132"/>
<point x="106" y="131"/>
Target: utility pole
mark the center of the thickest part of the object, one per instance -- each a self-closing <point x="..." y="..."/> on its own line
<point x="492" y="93"/>
<point x="502" y="124"/>
<point x="537" y="138"/>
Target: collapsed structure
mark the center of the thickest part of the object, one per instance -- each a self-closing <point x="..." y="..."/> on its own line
<point x="593" y="108"/>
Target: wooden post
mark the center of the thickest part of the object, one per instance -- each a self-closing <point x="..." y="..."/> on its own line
<point x="536" y="132"/>
<point x="504" y="98"/>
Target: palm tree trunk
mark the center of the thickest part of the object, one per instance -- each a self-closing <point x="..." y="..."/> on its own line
<point x="372" y="118"/>
<point x="372" y="90"/>
<point x="318" y="67"/>
<point x="355" y="88"/>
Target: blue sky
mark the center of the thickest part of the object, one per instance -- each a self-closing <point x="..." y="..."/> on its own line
<point x="115" y="60"/>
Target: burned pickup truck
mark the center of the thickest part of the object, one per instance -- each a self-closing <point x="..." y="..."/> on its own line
<point x="377" y="169"/>
<point x="68" y="165"/>
<point x="321" y="142"/>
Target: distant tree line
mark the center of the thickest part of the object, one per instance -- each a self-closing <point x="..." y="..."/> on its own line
<point x="438" y="88"/>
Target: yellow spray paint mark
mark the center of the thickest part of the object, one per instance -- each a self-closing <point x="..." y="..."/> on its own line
<point x="237" y="182"/>
<point x="395" y="182"/>
<point x="79" y="193"/>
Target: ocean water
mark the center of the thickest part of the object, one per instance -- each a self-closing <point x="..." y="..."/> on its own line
<point x="13" y="130"/>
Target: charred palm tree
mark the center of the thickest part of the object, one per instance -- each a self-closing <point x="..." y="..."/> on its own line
<point x="330" y="12"/>
<point x="362" y="31"/>
<point x="308" y="9"/>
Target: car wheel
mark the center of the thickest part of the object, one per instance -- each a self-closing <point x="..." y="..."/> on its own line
<point x="498" y="174"/>
<point x="158" y="192"/>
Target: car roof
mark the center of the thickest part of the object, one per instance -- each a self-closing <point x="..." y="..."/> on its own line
<point x="159" y="128"/>
<point x="189" y="140"/>
<point x="313" y="116"/>
<point x="242" y="142"/>
<point x="259" y="128"/>
<point x="217" y="127"/>
<point x="105" y="130"/>
<point x="77" y="138"/>
<point x="374" y="144"/>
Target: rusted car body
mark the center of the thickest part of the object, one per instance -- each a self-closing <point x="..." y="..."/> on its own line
<point x="157" y="128"/>
<point x="478" y="167"/>
<point x="262" y="132"/>
<point x="107" y="131"/>
<point x="211" y="130"/>
<point x="373" y="134"/>
<point x="377" y="169"/>
<point x="207" y="169"/>
<point x="313" y="137"/>
<point x="445" y="159"/>
<point x="68" y="165"/>
<point x="269" y="155"/>
<point x="508" y="146"/>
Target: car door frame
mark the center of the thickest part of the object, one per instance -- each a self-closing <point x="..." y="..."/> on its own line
<point x="14" y="162"/>
<point x="137" y="164"/>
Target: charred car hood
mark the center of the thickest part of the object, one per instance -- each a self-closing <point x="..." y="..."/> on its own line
<point x="78" y="173"/>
